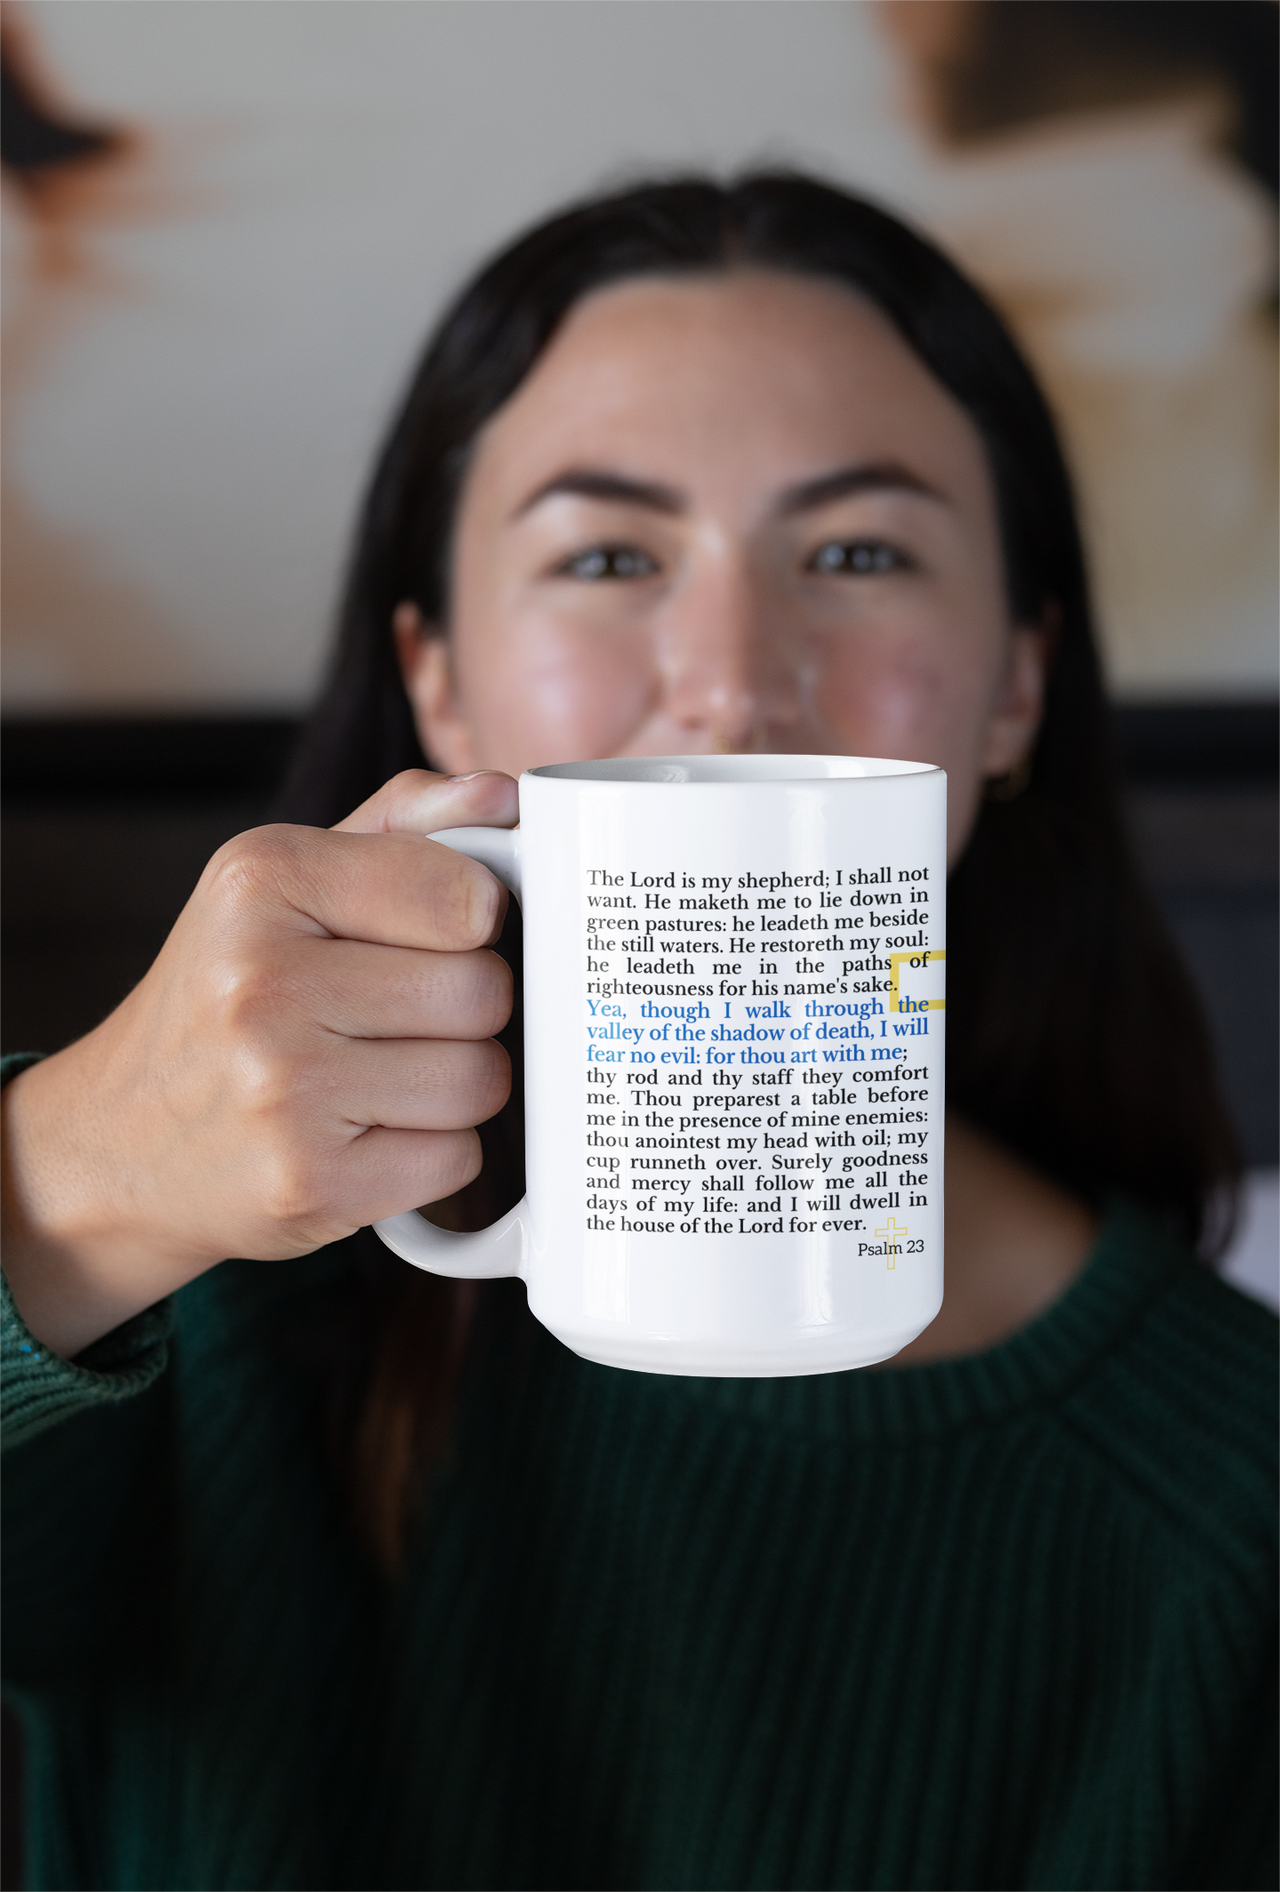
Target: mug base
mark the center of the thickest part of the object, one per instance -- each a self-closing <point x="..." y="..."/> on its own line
<point x="693" y="1360"/>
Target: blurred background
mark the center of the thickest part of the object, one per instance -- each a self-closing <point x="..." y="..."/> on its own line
<point x="227" y="228"/>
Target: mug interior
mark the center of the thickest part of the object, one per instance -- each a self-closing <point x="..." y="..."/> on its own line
<point x="729" y="768"/>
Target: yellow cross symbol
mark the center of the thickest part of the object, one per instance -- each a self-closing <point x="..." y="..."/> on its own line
<point x="894" y="1237"/>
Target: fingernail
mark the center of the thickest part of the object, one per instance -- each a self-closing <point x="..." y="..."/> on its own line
<point x="472" y="777"/>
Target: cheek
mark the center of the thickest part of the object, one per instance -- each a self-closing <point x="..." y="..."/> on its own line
<point x="540" y="693"/>
<point x="903" y="690"/>
<point x="914" y="698"/>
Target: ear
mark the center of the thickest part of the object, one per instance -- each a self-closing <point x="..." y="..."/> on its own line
<point x="423" y="654"/>
<point x="1019" y="702"/>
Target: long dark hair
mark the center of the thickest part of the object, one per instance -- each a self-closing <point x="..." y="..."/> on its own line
<point x="1074" y="1036"/>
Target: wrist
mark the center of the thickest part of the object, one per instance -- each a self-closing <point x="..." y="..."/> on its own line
<point x="78" y="1265"/>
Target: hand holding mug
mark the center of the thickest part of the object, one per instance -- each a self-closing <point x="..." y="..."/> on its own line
<point x="309" y="1052"/>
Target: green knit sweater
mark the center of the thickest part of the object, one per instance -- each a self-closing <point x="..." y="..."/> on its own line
<point x="1001" y="1622"/>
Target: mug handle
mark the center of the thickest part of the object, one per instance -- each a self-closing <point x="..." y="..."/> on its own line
<point x="503" y="1248"/>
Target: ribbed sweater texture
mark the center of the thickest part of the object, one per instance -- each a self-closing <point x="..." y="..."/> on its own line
<point x="1000" y="1622"/>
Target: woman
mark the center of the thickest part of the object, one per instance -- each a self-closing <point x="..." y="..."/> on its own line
<point x="686" y="469"/>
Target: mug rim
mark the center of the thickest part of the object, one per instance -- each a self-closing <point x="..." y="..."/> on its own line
<point x="718" y="771"/>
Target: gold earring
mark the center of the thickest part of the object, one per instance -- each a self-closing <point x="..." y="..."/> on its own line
<point x="1009" y="787"/>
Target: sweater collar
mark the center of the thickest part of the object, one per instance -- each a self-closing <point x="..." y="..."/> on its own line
<point x="1133" y="1261"/>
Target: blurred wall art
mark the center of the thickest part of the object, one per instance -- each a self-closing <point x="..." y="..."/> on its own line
<point x="1108" y="172"/>
<point x="227" y="227"/>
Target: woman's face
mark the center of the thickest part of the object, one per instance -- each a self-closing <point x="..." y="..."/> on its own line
<point x="732" y="513"/>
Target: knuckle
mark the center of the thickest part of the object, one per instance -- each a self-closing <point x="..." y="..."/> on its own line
<point x="302" y="1188"/>
<point x="398" y="803"/>
<point x="253" y="993"/>
<point x="268" y="1082"/>
<point x="409" y="782"/>
<point x="250" y="866"/>
<point x="295" y="1189"/>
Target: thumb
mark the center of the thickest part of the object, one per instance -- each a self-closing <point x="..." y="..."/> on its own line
<point x="418" y="801"/>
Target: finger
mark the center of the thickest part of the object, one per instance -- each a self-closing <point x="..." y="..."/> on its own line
<point x="414" y="1084"/>
<point x="362" y="991"/>
<point x="385" y="1172"/>
<point x="417" y="801"/>
<point x="388" y="889"/>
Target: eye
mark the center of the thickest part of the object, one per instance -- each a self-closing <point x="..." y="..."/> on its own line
<point x="857" y="558"/>
<point x="608" y="561"/>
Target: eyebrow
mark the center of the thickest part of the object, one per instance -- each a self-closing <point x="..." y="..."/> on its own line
<point x="587" y="482"/>
<point x="882" y="476"/>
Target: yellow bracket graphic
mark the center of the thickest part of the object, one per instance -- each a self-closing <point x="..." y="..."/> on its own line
<point x="916" y="960"/>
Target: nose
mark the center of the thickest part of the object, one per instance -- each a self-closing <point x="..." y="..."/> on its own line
<point x="731" y="667"/>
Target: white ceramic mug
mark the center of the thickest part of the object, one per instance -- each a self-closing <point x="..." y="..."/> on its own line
<point x="733" y="1061"/>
